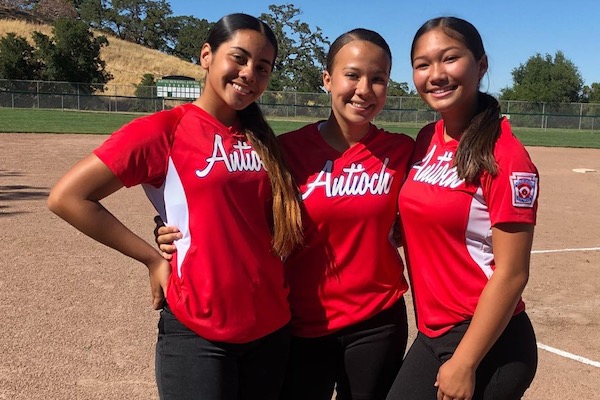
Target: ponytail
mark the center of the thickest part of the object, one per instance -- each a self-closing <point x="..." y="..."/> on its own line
<point x="476" y="147"/>
<point x="287" y="220"/>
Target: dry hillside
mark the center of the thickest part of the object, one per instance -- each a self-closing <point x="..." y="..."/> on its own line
<point x="126" y="61"/>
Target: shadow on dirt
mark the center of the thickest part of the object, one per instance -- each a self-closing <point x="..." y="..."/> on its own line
<point x="14" y="193"/>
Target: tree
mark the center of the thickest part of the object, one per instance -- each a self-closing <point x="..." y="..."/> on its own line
<point x="95" y="13"/>
<point x="145" y="22"/>
<point x="544" y="79"/>
<point x="189" y="33"/>
<point x="73" y="55"/>
<point x="146" y="87"/>
<point x="591" y="94"/>
<point x="17" y="58"/>
<point x="302" y="53"/>
<point x="399" y="89"/>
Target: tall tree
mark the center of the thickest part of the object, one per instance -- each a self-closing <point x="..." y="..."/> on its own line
<point x="545" y="79"/>
<point x="96" y="13"/>
<point x="73" y="55"/>
<point x="17" y="58"/>
<point x="302" y="51"/>
<point x="145" y="22"/>
<point x="189" y="33"/>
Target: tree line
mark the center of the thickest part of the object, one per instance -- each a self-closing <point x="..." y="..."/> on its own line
<point x="151" y="23"/>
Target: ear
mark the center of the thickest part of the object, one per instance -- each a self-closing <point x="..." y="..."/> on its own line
<point x="327" y="81"/>
<point x="205" y="55"/>
<point x="483" y="66"/>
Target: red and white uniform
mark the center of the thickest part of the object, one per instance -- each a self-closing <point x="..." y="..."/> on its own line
<point x="447" y="224"/>
<point x="349" y="269"/>
<point x="205" y="178"/>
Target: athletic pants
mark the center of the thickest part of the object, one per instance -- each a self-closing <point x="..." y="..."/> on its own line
<point x="505" y="372"/>
<point x="189" y="367"/>
<point x="359" y="361"/>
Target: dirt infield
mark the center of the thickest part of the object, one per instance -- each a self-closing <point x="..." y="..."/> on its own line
<point x="78" y="322"/>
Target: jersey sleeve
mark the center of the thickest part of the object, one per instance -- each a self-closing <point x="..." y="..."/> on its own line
<point x="511" y="195"/>
<point x="139" y="151"/>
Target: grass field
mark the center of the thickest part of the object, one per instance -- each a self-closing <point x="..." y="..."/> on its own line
<point x="57" y="121"/>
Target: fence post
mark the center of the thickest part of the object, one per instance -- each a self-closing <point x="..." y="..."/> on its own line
<point x="580" y="114"/>
<point x="543" y="115"/>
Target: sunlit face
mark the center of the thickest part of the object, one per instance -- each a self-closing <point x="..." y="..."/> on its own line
<point x="446" y="74"/>
<point x="358" y="82"/>
<point x="238" y="73"/>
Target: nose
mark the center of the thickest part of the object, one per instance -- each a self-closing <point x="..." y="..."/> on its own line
<point x="363" y="87"/>
<point x="438" y="73"/>
<point x="247" y="73"/>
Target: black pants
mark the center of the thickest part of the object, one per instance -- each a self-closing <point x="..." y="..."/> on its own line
<point x="189" y="367"/>
<point x="505" y="372"/>
<point x="360" y="361"/>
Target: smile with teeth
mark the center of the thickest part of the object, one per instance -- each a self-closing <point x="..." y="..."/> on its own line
<point x="241" y="88"/>
<point x="442" y="90"/>
<point x="362" y="106"/>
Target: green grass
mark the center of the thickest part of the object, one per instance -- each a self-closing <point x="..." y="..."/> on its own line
<point x="57" y="121"/>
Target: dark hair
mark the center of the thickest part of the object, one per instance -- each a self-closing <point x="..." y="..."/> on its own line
<point x="224" y="29"/>
<point x="475" y="151"/>
<point x="356" y="34"/>
<point x="287" y="221"/>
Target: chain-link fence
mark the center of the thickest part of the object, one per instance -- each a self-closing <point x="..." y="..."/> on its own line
<point x="289" y="105"/>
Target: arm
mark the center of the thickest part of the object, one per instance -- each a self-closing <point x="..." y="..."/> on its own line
<point x="76" y="199"/>
<point x="512" y="248"/>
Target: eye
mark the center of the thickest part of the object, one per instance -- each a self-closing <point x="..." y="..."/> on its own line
<point x="238" y="58"/>
<point x="351" y="75"/>
<point x="264" y="70"/>
<point x="420" y="66"/>
<point x="451" y="58"/>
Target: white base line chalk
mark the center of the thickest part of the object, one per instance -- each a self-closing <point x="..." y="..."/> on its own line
<point x="569" y="355"/>
<point x="562" y="250"/>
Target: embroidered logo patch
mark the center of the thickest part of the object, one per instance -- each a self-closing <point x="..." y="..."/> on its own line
<point x="524" y="188"/>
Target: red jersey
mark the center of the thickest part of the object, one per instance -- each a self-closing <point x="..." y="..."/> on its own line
<point x="447" y="224"/>
<point x="349" y="269"/>
<point x="205" y="178"/>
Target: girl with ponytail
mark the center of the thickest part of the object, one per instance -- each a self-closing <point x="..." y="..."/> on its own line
<point x="468" y="209"/>
<point x="213" y="169"/>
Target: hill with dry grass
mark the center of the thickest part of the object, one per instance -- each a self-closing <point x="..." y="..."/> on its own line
<point x="126" y="61"/>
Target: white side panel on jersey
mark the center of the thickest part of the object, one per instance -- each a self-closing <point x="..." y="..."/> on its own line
<point x="156" y="197"/>
<point x="479" y="234"/>
<point x="177" y="212"/>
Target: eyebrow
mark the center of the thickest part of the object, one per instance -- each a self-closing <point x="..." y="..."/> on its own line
<point x="248" y="54"/>
<point x="445" y="49"/>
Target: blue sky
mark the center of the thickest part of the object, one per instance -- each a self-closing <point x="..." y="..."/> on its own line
<point x="512" y="31"/>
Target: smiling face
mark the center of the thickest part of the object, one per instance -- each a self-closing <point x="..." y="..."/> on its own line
<point x="358" y="82"/>
<point x="446" y="74"/>
<point x="237" y="73"/>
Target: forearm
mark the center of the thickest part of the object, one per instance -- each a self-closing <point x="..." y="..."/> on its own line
<point x="76" y="199"/>
<point x="494" y="310"/>
<point x="496" y="305"/>
<point x="92" y="219"/>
